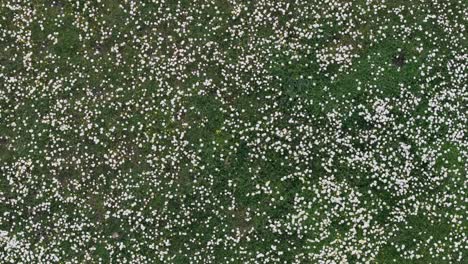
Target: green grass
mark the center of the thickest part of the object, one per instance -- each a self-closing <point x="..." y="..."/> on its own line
<point x="207" y="190"/>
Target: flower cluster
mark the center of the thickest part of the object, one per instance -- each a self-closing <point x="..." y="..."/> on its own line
<point x="233" y="131"/>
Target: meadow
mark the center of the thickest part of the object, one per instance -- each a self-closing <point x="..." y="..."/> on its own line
<point x="233" y="131"/>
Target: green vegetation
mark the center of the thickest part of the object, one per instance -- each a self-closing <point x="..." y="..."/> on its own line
<point x="233" y="131"/>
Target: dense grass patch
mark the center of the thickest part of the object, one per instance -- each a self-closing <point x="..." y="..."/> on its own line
<point x="232" y="131"/>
